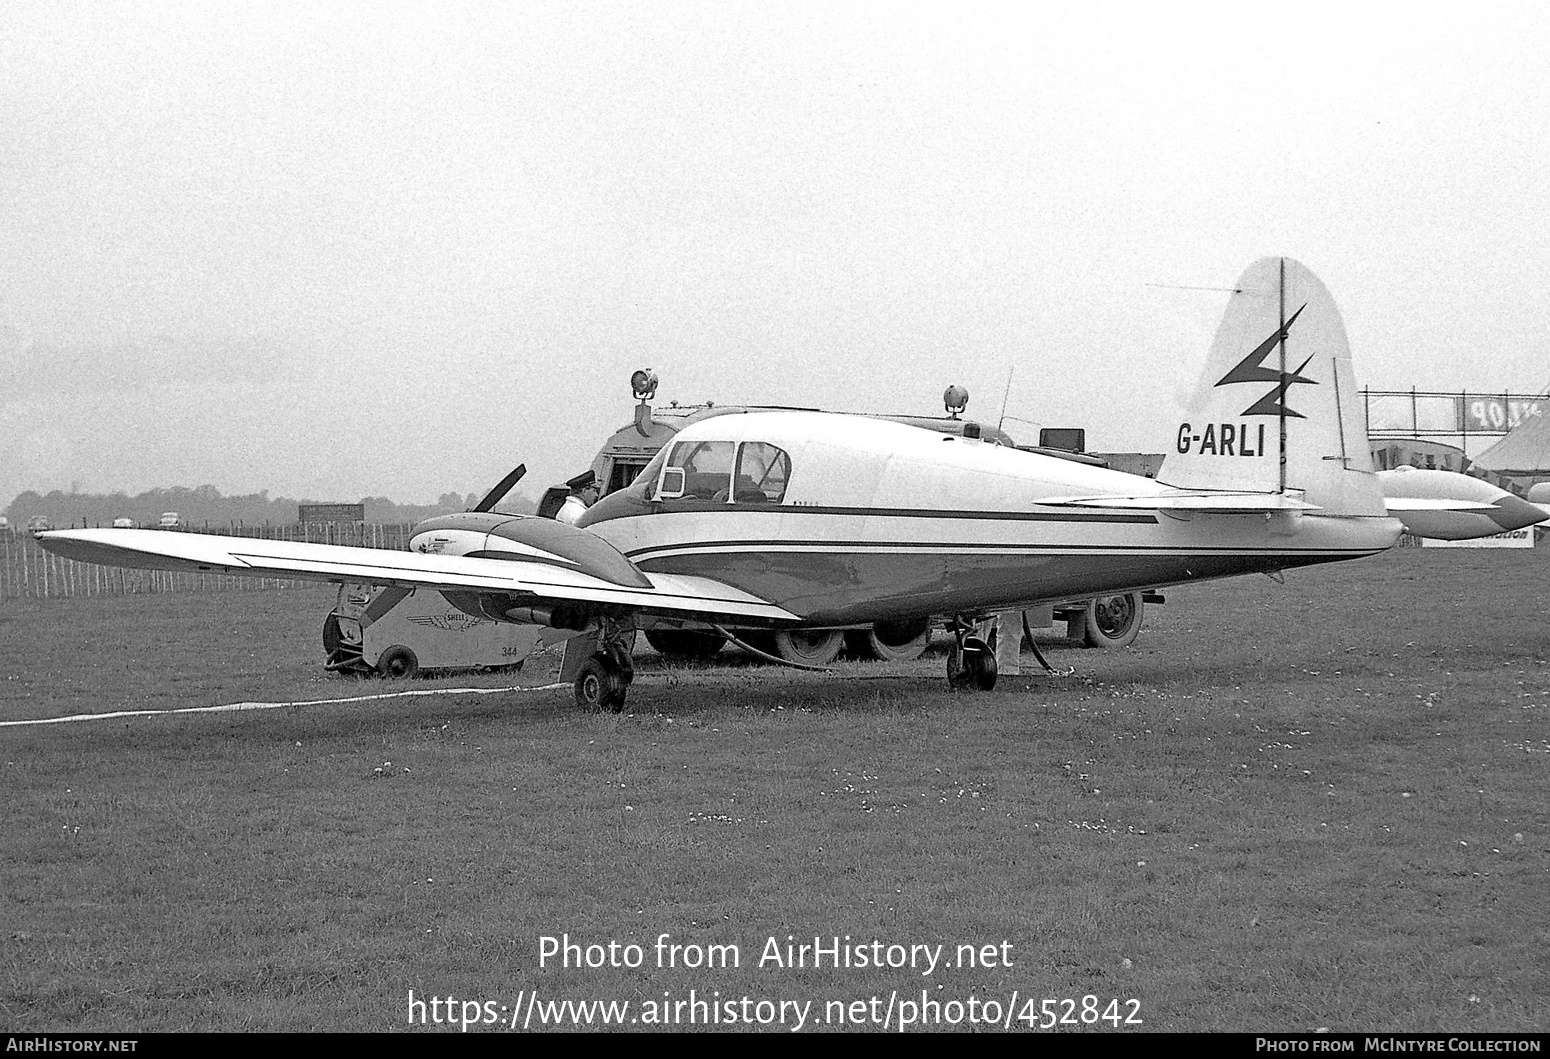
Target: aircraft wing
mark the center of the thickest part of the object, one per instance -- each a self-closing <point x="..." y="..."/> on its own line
<point x="1397" y="504"/>
<point x="530" y="581"/>
<point x="1220" y="503"/>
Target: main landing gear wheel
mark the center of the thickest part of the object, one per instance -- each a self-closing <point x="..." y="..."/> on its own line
<point x="1111" y="621"/>
<point x="604" y="679"/>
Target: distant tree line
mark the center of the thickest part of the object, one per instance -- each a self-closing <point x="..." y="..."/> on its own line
<point x="205" y="504"/>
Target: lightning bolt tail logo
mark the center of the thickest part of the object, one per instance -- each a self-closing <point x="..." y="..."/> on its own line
<point x="1252" y="369"/>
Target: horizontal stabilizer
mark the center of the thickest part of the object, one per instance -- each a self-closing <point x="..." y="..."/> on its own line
<point x="1205" y="502"/>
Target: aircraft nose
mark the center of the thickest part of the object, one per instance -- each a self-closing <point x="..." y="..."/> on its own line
<point x="1513" y="512"/>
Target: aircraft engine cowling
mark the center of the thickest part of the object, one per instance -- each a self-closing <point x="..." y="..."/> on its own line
<point x="487" y="535"/>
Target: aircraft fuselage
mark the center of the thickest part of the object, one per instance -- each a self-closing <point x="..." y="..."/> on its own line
<point x="878" y="521"/>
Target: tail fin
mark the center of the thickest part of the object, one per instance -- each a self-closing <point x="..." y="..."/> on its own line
<point x="1277" y="410"/>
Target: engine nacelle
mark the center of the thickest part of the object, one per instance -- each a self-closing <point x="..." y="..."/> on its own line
<point x="483" y="535"/>
<point x="495" y="607"/>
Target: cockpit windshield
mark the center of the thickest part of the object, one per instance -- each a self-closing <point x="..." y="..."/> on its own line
<point x="706" y="466"/>
<point x="726" y="472"/>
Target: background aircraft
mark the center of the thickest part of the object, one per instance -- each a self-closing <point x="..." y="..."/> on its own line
<point x="1450" y="506"/>
<point x="792" y="519"/>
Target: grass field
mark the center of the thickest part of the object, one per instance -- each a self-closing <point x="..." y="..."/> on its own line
<point x="1318" y="804"/>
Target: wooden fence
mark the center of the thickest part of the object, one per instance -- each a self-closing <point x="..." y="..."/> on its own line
<point x="29" y="572"/>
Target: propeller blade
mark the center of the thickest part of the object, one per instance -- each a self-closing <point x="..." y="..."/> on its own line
<point x="502" y="487"/>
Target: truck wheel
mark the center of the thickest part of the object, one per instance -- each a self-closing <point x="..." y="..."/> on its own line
<point x="1112" y="621"/>
<point x="891" y="641"/>
<point x="810" y="647"/>
<point x="331" y="636"/>
<point x="764" y="641"/>
<point x="398" y="662"/>
<point x="687" y="644"/>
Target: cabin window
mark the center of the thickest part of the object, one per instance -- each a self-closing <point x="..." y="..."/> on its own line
<point x="707" y="468"/>
<point x="646" y="481"/>
<point x="762" y="473"/>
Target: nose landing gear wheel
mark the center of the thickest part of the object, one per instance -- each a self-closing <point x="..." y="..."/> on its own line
<point x="968" y="669"/>
<point x="972" y="661"/>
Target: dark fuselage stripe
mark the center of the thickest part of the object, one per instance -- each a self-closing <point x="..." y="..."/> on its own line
<point x="698" y="507"/>
<point x="946" y="547"/>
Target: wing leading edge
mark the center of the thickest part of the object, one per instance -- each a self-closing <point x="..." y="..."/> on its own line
<point x="675" y="595"/>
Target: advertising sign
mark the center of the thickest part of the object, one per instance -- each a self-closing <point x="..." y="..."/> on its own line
<point x="1486" y="415"/>
<point x="330" y="512"/>
<point x="1518" y="538"/>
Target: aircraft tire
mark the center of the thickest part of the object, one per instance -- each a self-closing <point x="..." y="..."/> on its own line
<point x="816" y="647"/>
<point x="600" y="686"/>
<point x="1112" y="621"/>
<point x="891" y="641"/>
<point x="959" y="675"/>
<point x="688" y="645"/>
<point x="983" y="669"/>
<point x="398" y="662"/>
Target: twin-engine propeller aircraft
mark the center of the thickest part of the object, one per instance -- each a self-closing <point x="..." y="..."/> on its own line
<point x="788" y="519"/>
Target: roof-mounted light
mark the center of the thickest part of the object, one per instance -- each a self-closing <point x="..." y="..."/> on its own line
<point x="644" y="384"/>
<point x="955" y="399"/>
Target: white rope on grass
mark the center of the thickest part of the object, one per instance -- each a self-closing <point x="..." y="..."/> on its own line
<point x="232" y="707"/>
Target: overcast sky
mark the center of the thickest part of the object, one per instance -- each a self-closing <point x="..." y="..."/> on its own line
<point x="332" y="250"/>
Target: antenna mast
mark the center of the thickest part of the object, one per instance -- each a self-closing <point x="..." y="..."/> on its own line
<point x="1005" y="395"/>
<point x="1281" y="401"/>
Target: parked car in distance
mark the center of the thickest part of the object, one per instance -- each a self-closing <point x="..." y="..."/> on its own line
<point x="123" y="523"/>
<point x="39" y="523"/>
<point x="169" y="520"/>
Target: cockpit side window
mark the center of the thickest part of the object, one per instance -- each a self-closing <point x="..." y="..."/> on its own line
<point x="707" y="467"/>
<point x="762" y="473"/>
